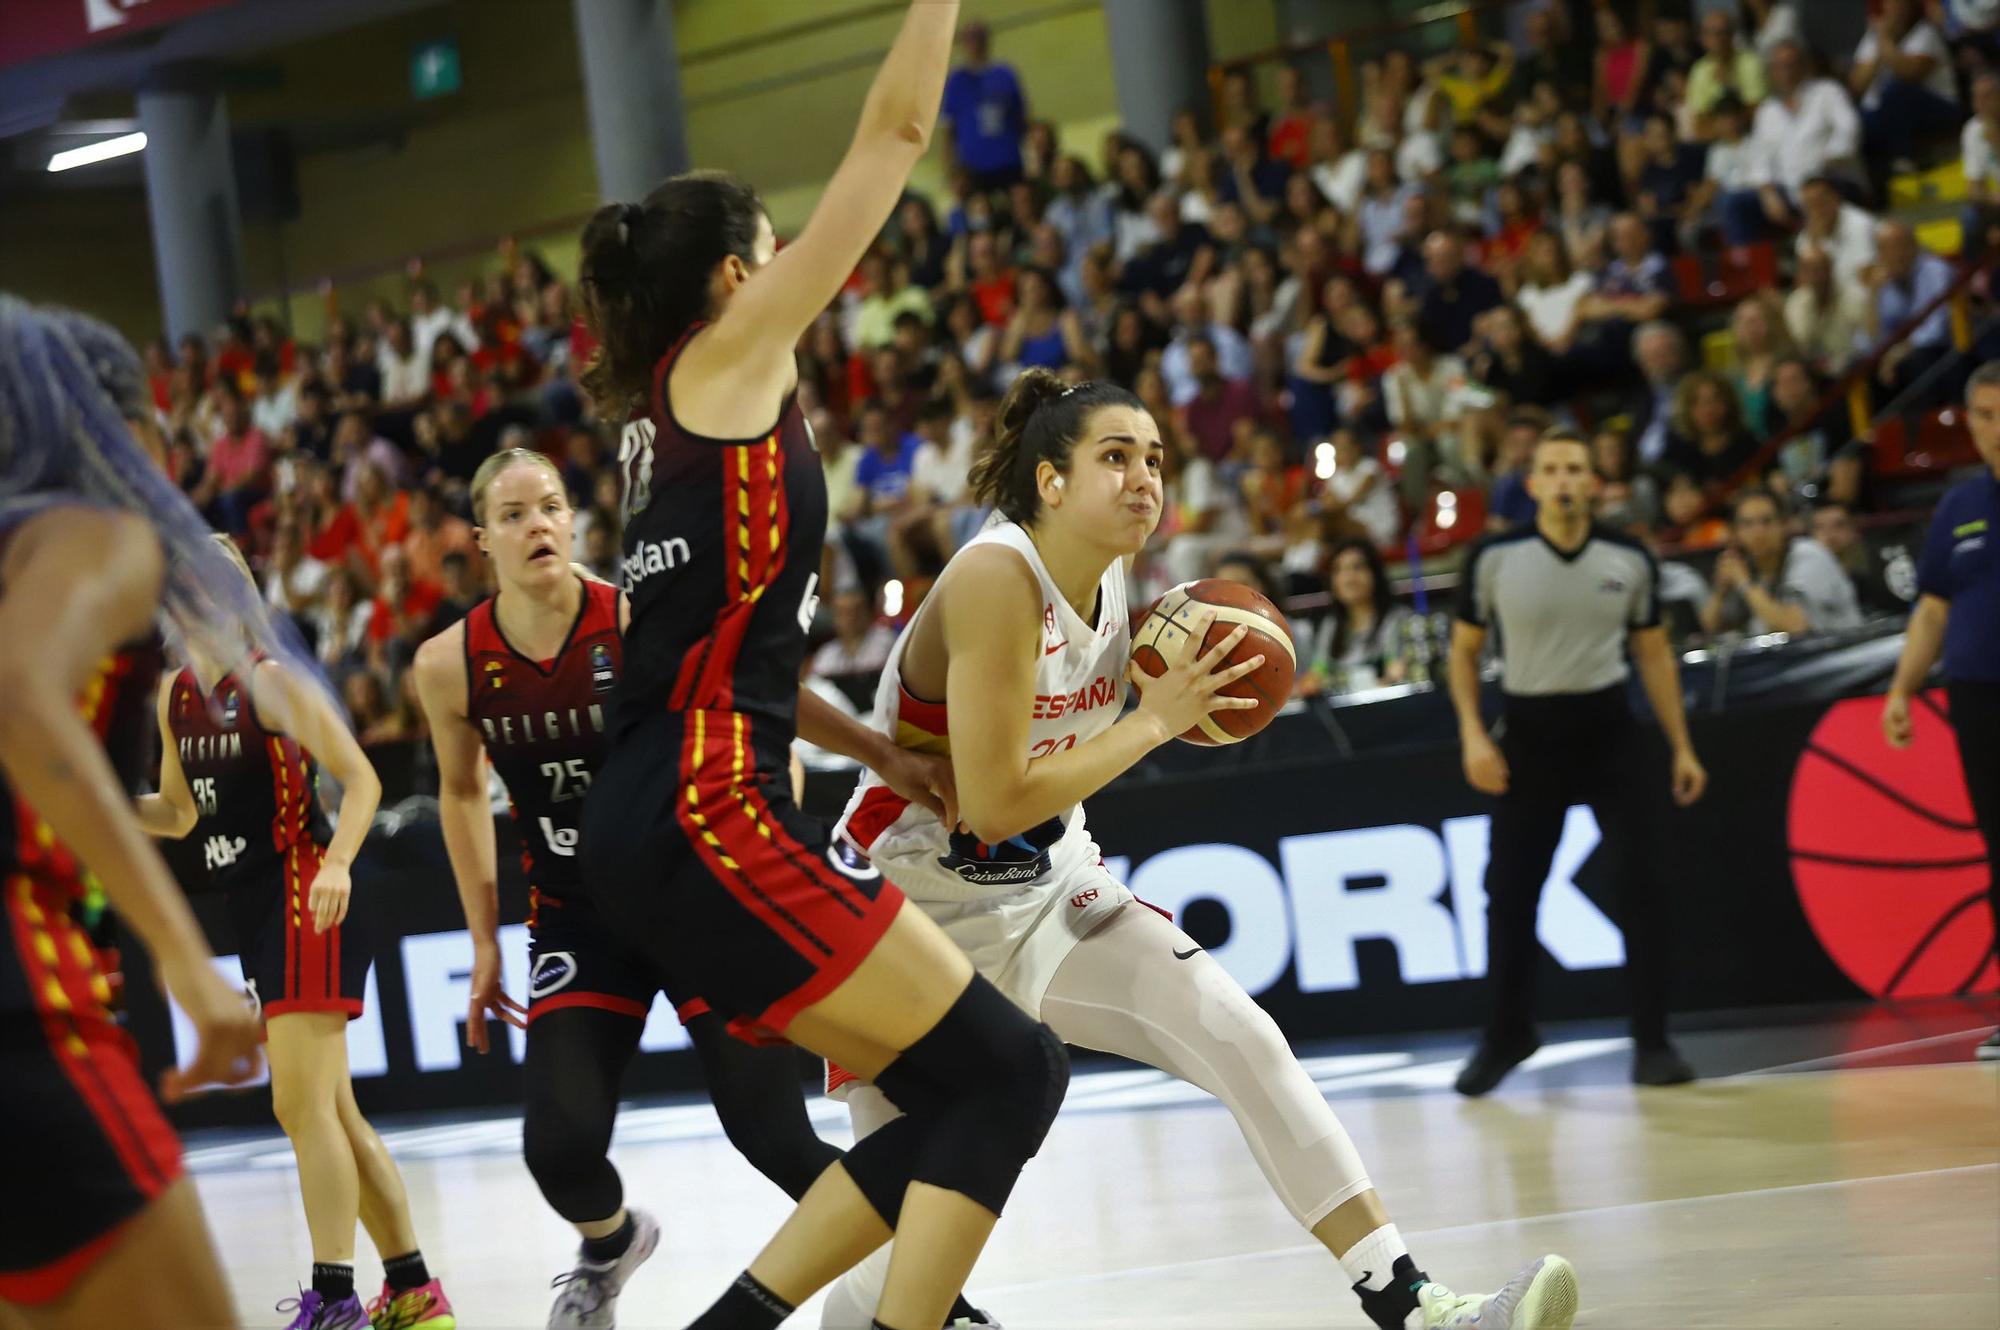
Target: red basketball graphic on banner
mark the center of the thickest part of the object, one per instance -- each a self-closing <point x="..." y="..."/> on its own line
<point x="1889" y="865"/>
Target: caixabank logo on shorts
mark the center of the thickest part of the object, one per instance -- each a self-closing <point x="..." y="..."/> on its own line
<point x="1014" y="862"/>
<point x="1887" y="859"/>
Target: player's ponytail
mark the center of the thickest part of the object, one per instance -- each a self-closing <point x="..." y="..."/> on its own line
<point x="644" y="277"/>
<point x="1040" y="419"/>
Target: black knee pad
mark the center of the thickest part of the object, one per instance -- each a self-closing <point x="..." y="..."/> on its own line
<point x="983" y="1086"/>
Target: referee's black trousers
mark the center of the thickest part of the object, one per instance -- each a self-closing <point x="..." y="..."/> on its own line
<point x="1576" y="749"/>
<point x="1975" y="718"/>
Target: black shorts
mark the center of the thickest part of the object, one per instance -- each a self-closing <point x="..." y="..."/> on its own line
<point x="576" y="960"/>
<point x="87" y="1149"/>
<point x="709" y="865"/>
<point x="288" y="964"/>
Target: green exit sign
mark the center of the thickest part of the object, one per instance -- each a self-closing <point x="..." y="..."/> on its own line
<point x="434" y="69"/>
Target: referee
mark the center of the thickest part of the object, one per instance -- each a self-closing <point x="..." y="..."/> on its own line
<point x="1958" y="610"/>
<point x="1567" y="598"/>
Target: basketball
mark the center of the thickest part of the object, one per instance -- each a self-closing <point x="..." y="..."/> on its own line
<point x="1165" y="637"/>
<point x="1889" y="866"/>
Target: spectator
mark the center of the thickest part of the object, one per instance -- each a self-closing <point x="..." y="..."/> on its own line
<point x="405" y="370"/>
<point x="1471" y="77"/>
<point x="988" y="278"/>
<point x="1221" y="407"/>
<point x="294" y="581"/>
<point x="1830" y="223"/>
<point x="339" y="622"/>
<point x="375" y="721"/>
<point x="1361" y="641"/>
<point x="312" y="429"/>
<point x="1130" y="196"/>
<point x="431" y="319"/>
<point x="1667" y="179"/>
<point x="1805" y="127"/>
<point x="1338" y="167"/>
<point x="1181" y="256"/>
<point x="924" y="246"/>
<point x="356" y="447"/>
<point x="1550" y="294"/>
<point x="1622" y="68"/>
<point x="1044" y="332"/>
<point x="1734" y="164"/>
<point x="1773" y="23"/>
<point x="402" y="608"/>
<point x="1761" y="340"/>
<point x="1580" y="217"/>
<point x="1833" y="529"/>
<point x="1135" y="340"/>
<point x="354" y="385"/>
<point x="1979" y="149"/>
<point x="1079" y="213"/>
<point x="1902" y="77"/>
<point x="1185" y="138"/>
<point x="435" y="535"/>
<point x="885" y="294"/>
<point x="1378" y="221"/>
<point x="1709" y="441"/>
<point x="882" y="479"/>
<point x="1233" y="360"/>
<point x="1770" y="582"/>
<point x="1684" y="504"/>
<point x="1511" y="222"/>
<point x="1452" y="295"/>
<point x="1627" y="498"/>
<point x="459" y="591"/>
<point x="1827" y="319"/>
<point x="1509" y="504"/>
<point x="1291" y="127"/>
<point x="238" y="472"/>
<point x="1208" y="519"/>
<point x="860" y="642"/>
<point x="1661" y="353"/>
<point x="1512" y="364"/>
<point x="1533" y="128"/>
<point x="1905" y="281"/>
<point x="1549" y="58"/>
<point x="1727" y="68"/>
<point x="1634" y="288"/>
<point x="985" y="114"/>
<point x="597" y="551"/>
<point x="276" y="403"/>
<point x="1358" y="501"/>
<point x="1425" y="398"/>
<point x="1818" y="456"/>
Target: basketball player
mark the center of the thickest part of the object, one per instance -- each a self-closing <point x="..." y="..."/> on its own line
<point x="703" y="858"/>
<point x="100" y="1228"/>
<point x="1016" y="666"/>
<point x="248" y="790"/>
<point x="524" y="681"/>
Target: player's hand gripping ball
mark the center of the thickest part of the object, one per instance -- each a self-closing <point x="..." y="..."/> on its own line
<point x="1166" y="637"/>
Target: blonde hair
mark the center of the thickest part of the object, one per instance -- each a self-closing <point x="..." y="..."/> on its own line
<point x="490" y="469"/>
<point x="228" y="546"/>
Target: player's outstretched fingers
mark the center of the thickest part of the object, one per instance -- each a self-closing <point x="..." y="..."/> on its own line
<point x="1220" y="651"/>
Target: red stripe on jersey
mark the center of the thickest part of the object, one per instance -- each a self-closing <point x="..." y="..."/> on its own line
<point x="699" y="818"/>
<point x="753" y="544"/>
<point x="878" y="810"/>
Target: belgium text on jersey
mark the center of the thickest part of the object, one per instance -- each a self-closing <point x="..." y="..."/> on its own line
<point x="530" y="727"/>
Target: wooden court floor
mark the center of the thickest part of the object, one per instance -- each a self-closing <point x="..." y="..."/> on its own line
<point x="1857" y="1191"/>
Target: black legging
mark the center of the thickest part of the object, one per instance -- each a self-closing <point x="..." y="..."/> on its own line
<point x="576" y="1062"/>
<point x="1975" y="718"/>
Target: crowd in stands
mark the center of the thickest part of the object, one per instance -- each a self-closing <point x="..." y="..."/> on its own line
<point x="1350" y="329"/>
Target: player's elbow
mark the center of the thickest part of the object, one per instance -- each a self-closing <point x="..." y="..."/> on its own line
<point x="992" y="818"/>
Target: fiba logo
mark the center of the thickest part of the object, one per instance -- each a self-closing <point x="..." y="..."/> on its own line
<point x="1886" y="857"/>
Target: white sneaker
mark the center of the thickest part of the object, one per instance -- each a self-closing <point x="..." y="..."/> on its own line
<point x="589" y="1297"/>
<point x="1541" y="1297"/>
<point x="967" y="1323"/>
<point x="1990" y="1049"/>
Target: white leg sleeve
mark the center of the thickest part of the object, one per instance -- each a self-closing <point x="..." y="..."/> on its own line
<point x="1122" y="991"/>
<point x="852" y="1299"/>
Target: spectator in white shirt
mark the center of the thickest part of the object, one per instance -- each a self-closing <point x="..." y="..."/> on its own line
<point x="1980" y="149"/>
<point x="1830" y="223"/>
<point x="1735" y="163"/>
<point x="1902" y="76"/>
<point x="431" y="319"/>
<point x="1768" y="581"/>
<point x="1825" y="316"/>
<point x="1773" y="22"/>
<point x="1806" y="127"/>
<point x="406" y="375"/>
<point x="1338" y="167"/>
<point x="861" y="641"/>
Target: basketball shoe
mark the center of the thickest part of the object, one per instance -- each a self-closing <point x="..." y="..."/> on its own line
<point x="589" y="1297"/>
<point x="424" y="1307"/>
<point x="1542" y="1297"/>
<point x="313" y="1312"/>
<point x="1989" y="1049"/>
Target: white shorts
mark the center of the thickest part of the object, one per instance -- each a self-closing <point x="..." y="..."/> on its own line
<point x="1021" y="939"/>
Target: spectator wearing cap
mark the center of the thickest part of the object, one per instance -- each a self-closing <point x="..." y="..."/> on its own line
<point x="1452" y="294"/>
<point x="1804" y="127"/>
<point x="1958" y="617"/>
<point x="1905" y="280"/>
<point x="1829" y="222"/>
<point x="1902" y="77"/>
<point x="1727" y="68"/>
<point x="1768" y="581"/>
<point x="985" y="114"/>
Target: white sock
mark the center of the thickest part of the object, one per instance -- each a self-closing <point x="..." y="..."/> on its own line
<point x="1369" y="1261"/>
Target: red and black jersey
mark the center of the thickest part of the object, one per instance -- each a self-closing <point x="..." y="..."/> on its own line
<point x="722" y="550"/>
<point x="544" y="726"/>
<point x="45" y="883"/>
<point x="256" y="792"/>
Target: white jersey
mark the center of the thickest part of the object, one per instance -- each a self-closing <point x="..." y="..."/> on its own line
<point x="1079" y="691"/>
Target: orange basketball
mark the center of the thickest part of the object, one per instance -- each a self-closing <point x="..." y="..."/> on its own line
<point x="1166" y="637"/>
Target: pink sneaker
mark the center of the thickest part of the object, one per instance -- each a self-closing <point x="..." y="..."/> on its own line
<point x="422" y="1308"/>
